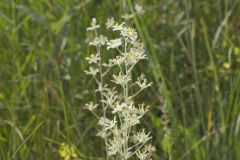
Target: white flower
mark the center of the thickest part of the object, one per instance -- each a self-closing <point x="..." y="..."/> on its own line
<point x="149" y="148"/>
<point x="99" y="41"/>
<point x="91" y="106"/>
<point x="115" y="145"/>
<point x="142" y="109"/>
<point x="94" y="25"/>
<point x="116" y="132"/>
<point x="139" y="53"/>
<point x="139" y="10"/>
<point x="118" y="60"/>
<point x="142" y="137"/>
<point x="127" y="16"/>
<point x="142" y="155"/>
<point x="130" y="33"/>
<point x="132" y="119"/>
<point x="110" y="22"/>
<point x="92" y="71"/>
<point x="94" y="58"/>
<point x="145" y="154"/>
<point x="118" y="107"/>
<point x="111" y="124"/>
<point x="143" y="83"/>
<point x="118" y="27"/>
<point x="121" y="79"/>
<point x="114" y="43"/>
<point x="111" y="91"/>
<point x="110" y="99"/>
<point x="134" y="55"/>
<point x="103" y="121"/>
<point x="102" y="88"/>
<point x="102" y="133"/>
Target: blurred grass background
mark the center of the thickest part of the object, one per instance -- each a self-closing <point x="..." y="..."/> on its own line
<point x="194" y="54"/>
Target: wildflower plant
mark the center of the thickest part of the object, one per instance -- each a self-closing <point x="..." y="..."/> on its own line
<point x="120" y="113"/>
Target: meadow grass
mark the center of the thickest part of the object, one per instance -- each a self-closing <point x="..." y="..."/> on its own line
<point x="194" y="55"/>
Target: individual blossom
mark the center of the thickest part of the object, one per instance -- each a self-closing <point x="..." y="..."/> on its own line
<point x="116" y="132"/>
<point x="139" y="10"/>
<point x="132" y="119"/>
<point x="92" y="71"/>
<point x="94" y="25"/>
<point x="114" y="145"/>
<point x="130" y="34"/>
<point x="138" y="45"/>
<point x="134" y="55"/>
<point x="102" y="88"/>
<point x="118" y="27"/>
<point x="111" y="124"/>
<point x="110" y="91"/>
<point x="142" y="137"/>
<point x="91" y="106"/>
<point x="129" y="109"/>
<point x="118" y="107"/>
<point x="142" y="109"/>
<point x="139" y="52"/>
<point x="102" y="133"/>
<point x="149" y="148"/>
<point x="103" y="121"/>
<point x="94" y="58"/>
<point x="127" y="16"/>
<point x="110" y="23"/>
<point x="110" y="99"/>
<point x="118" y="60"/>
<point x="114" y="43"/>
<point x="99" y="41"/>
<point x="143" y="83"/>
<point x="142" y="155"/>
<point x="146" y="152"/>
<point x="121" y="79"/>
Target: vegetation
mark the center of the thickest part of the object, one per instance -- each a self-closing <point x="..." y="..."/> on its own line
<point x="193" y="56"/>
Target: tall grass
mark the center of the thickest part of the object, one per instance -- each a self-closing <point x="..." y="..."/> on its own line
<point x="194" y="53"/>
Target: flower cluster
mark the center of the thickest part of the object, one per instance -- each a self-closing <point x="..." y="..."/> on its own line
<point x="120" y="113"/>
<point x="68" y="152"/>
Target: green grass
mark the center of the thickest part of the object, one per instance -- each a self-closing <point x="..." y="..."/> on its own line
<point x="187" y="43"/>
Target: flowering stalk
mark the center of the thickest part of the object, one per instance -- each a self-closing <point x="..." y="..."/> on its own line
<point x="98" y="42"/>
<point x="120" y="140"/>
